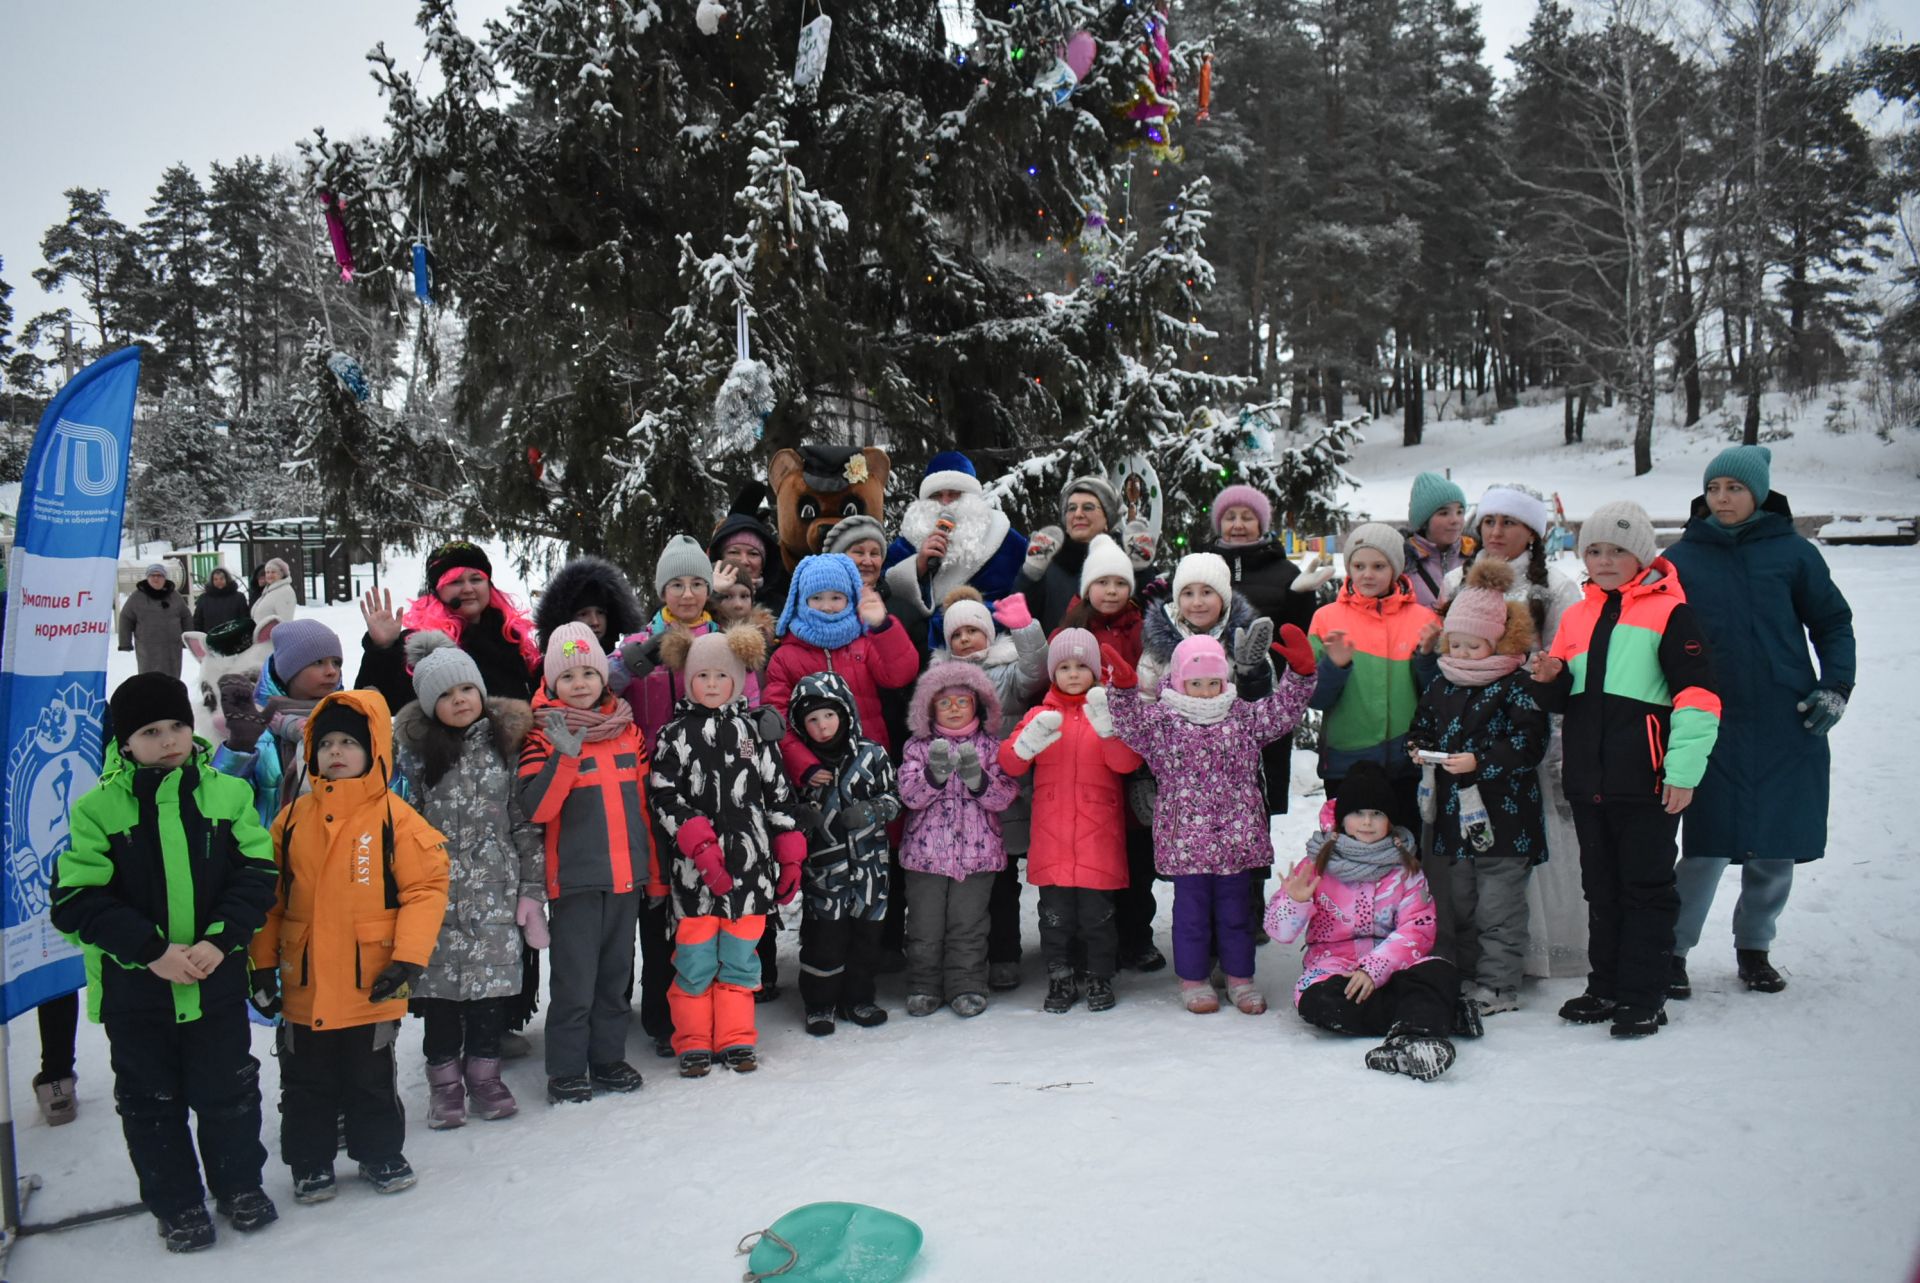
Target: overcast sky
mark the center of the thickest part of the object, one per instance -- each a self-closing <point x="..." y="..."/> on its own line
<point x="108" y="93"/>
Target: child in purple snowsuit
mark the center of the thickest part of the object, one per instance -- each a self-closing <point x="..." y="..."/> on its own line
<point x="1210" y="825"/>
<point x="955" y="790"/>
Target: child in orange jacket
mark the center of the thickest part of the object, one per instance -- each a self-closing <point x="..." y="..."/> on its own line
<point x="1078" y="857"/>
<point x="363" y="888"/>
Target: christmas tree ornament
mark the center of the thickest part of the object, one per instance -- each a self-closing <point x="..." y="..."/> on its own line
<point x="335" y="207"/>
<point x="422" y="280"/>
<point x="811" y="62"/>
<point x="347" y="371"/>
<point x="1057" y="82"/>
<point x="745" y="399"/>
<point x="1206" y="89"/>
<point x="1080" y="51"/>
<point x="709" y="16"/>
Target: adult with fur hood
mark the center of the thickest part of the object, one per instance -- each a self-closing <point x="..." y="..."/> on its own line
<point x="954" y="533"/>
<point x="461" y="600"/>
<point x="456" y="754"/>
<point x="590" y="591"/>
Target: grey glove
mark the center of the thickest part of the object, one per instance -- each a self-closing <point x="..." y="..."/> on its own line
<point x="768" y="728"/>
<point x="855" y="817"/>
<point x="641" y="658"/>
<point x="939" y="763"/>
<point x="1143" y="795"/>
<point x="971" y="773"/>
<point x="1824" y="709"/>
<point x="1250" y="645"/>
<point x="566" y="741"/>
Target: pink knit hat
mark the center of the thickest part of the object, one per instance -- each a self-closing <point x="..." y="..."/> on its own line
<point x="1200" y="657"/>
<point x="1243" y="496"/>
<point x="1479" y="608"/>
<point x="1073" y="643"/>
<point x="574" y="646"/>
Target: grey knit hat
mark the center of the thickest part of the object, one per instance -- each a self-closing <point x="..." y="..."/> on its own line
<point x="1381" y="538"/>
<point x="849" y="531"/>
<point x="1101" y="489"/>
<point x="1624" y="524"/>
<point x="438" y="666"/>
<point x="683" y="555"/>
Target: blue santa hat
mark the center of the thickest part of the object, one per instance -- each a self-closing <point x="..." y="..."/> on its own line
<point x="949" y="470"/>
<point x="826" y="572"/>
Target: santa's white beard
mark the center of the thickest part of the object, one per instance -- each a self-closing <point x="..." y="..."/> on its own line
<point x="978" y="529"/>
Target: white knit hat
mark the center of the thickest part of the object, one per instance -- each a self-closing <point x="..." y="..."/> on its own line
<point x="1381" y="538"/>
<point x="1208" y="568"/>
<point x="1625" y="525"/>
<point x="1104" y="557"/>
<point x="963" y="608"/>
<point x="1529" y="510"/>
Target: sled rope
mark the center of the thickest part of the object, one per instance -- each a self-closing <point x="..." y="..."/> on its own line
<point x="747" y="1245"/>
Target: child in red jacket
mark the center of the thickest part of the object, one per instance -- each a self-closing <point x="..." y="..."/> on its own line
<point x="1078" y="856"/>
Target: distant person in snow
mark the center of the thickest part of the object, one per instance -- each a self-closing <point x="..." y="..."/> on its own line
<point x="152" y="622"/>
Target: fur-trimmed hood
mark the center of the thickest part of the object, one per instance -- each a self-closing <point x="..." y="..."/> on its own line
<point x="1159" y="632"/>
<point x="824" y="690"/>
<point x="417" y="732"/>
<point x="588" y="581"/>
<point x="945" y="675"/>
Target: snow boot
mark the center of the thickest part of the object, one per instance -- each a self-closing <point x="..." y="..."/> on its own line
<point x="1587" y="1009"/>
<point x="314" y="1187"/>
<point x="965" y="1004"/>
<point x="446" y="1095"/>
<point x="388" y="1175"/>
<point x="1637" y="1022"/>
<point x="1199" y="997"/>
<point x="569" y="1089"/>
<point x="1678" y="985"/>
<point x="489" y="1095"/>
<point x="188" y="1230"/>
<point x="864" y="1014"/>
<point x="820" y="1023"/>
<point x="616" y="1076"/>
<point x="741" y="1060"/>
<point x="1420" y="1056"/>
<point x="922" y="1004"/>
<point x="1002" y="976"/>
<point x="1246" y="996"/>
<point x="766" y="993"/>
<point x="1099" y="994"/>
<point x="1466" y="1019"/>
<point x="249" y="1210"/>
<point x="1756" y="973"/>
<point x="663" y="1046"/>
<point x="1061" y="992"/>
<point x="58" y="1105"/>
<point x="695" y="1064"/>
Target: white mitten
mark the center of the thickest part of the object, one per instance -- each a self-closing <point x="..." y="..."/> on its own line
<point x="1039" y="735"/>
<point x="1099" y="716"/>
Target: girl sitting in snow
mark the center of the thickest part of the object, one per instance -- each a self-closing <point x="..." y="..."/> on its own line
<point x="1210" y="828"/>
<point x="1368" y="916"/>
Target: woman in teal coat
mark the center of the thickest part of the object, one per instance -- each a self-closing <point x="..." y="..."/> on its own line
<point x="1761" y="592"/>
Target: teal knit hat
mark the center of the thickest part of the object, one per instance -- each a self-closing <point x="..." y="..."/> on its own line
<point x="1431" y="492"/>
<point x="1750" y="465"/>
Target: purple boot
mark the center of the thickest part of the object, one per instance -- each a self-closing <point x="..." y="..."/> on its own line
<point x="491" y="1099"/>
<point x="447" y="1098"/>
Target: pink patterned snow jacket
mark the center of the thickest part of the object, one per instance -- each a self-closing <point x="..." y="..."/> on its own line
<point x="1211" y="816"/>
<point x="951" y="830"/>
<point x="1382" y="927"/>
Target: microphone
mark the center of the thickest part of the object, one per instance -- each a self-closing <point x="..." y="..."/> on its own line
<point x="942" y="525"/>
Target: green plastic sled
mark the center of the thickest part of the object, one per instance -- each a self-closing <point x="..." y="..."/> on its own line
<point x="834" y="1243"/>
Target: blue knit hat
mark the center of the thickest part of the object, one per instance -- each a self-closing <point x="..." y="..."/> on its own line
<point x="825" y="572"/>
<point x="1431" y="492"/>
<point x="1750" y="465"/>
<point x="949" y="470"/>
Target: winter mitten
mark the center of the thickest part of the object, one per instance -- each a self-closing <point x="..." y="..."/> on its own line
<point x="1041" y="545"/>
<point x="566" y="741"/>
<point x="1138" y="542"/>
<point x="790" y="850"/>
<point x="1429" y="808"/>
<point x="1474" y="822"/>
<point x="939" y="763"/>
<point x="641" y="657"/>
<point x="1099" y="716"/>
<point x="1318" y="571"/>
<point x="768" y="727"/>
<point x="395" y="982"/>
<point x="263" y="991"/>
<point x="532" y="920"/>
<point x="857" y="817"/>
<point x="1143" y="794"/>
<point x="971" y="773"/>
<point x="1823" y="709"/>
<point x="1250" y="646"/>
<point x="1038" y="735"/>
<point x="245" y="722"/>
<point x="711" y="864"/>
<point x="1294" y="647"/>
<point x="1120" y="674"/>
<point x="1011" y="612"/>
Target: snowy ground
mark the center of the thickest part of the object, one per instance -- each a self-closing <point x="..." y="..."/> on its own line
<point x="1757" y="1138"/>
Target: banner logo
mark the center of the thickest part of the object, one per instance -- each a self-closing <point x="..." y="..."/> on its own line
<point x="48" y="769"/>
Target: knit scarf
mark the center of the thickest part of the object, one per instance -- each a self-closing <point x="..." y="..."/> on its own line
<point x="968" y="731"/>
<point x="595" y="724"/>
<point x="1479" y="672"/>
<point x="1201" y="711"/>
<point x="828" y="632"/>
<point x="1354" y="861"/>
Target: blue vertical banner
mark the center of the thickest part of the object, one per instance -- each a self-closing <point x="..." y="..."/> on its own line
<point x="61" y="579"/>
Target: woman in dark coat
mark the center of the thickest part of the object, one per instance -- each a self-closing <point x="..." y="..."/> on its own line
<point x="1762" y="592"/>
<point x="220" y="601"/>
<point x="461" y="601"/>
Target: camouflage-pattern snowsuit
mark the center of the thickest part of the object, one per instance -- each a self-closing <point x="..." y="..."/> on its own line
<point x="845" y="876"/>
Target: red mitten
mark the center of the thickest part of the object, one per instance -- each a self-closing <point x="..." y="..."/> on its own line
<point x="789" y="849"/>
<point x="1295" y="649"/>
<point x="694" y="834"/>
<point x="712" y="864"/>
<point x="1120" y="674"/>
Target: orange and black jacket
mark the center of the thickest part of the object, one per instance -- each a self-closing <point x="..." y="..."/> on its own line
<point x="1638" y="690"/>
<point x="593" y="808"/>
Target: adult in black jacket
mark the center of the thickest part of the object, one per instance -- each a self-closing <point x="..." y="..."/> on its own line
<point x="461" y="601"/>
<point x="220" y="601"/>
<point x="1050" y="579"/>
<point x="590" y="591"/>
<point x="747" y="543"/>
